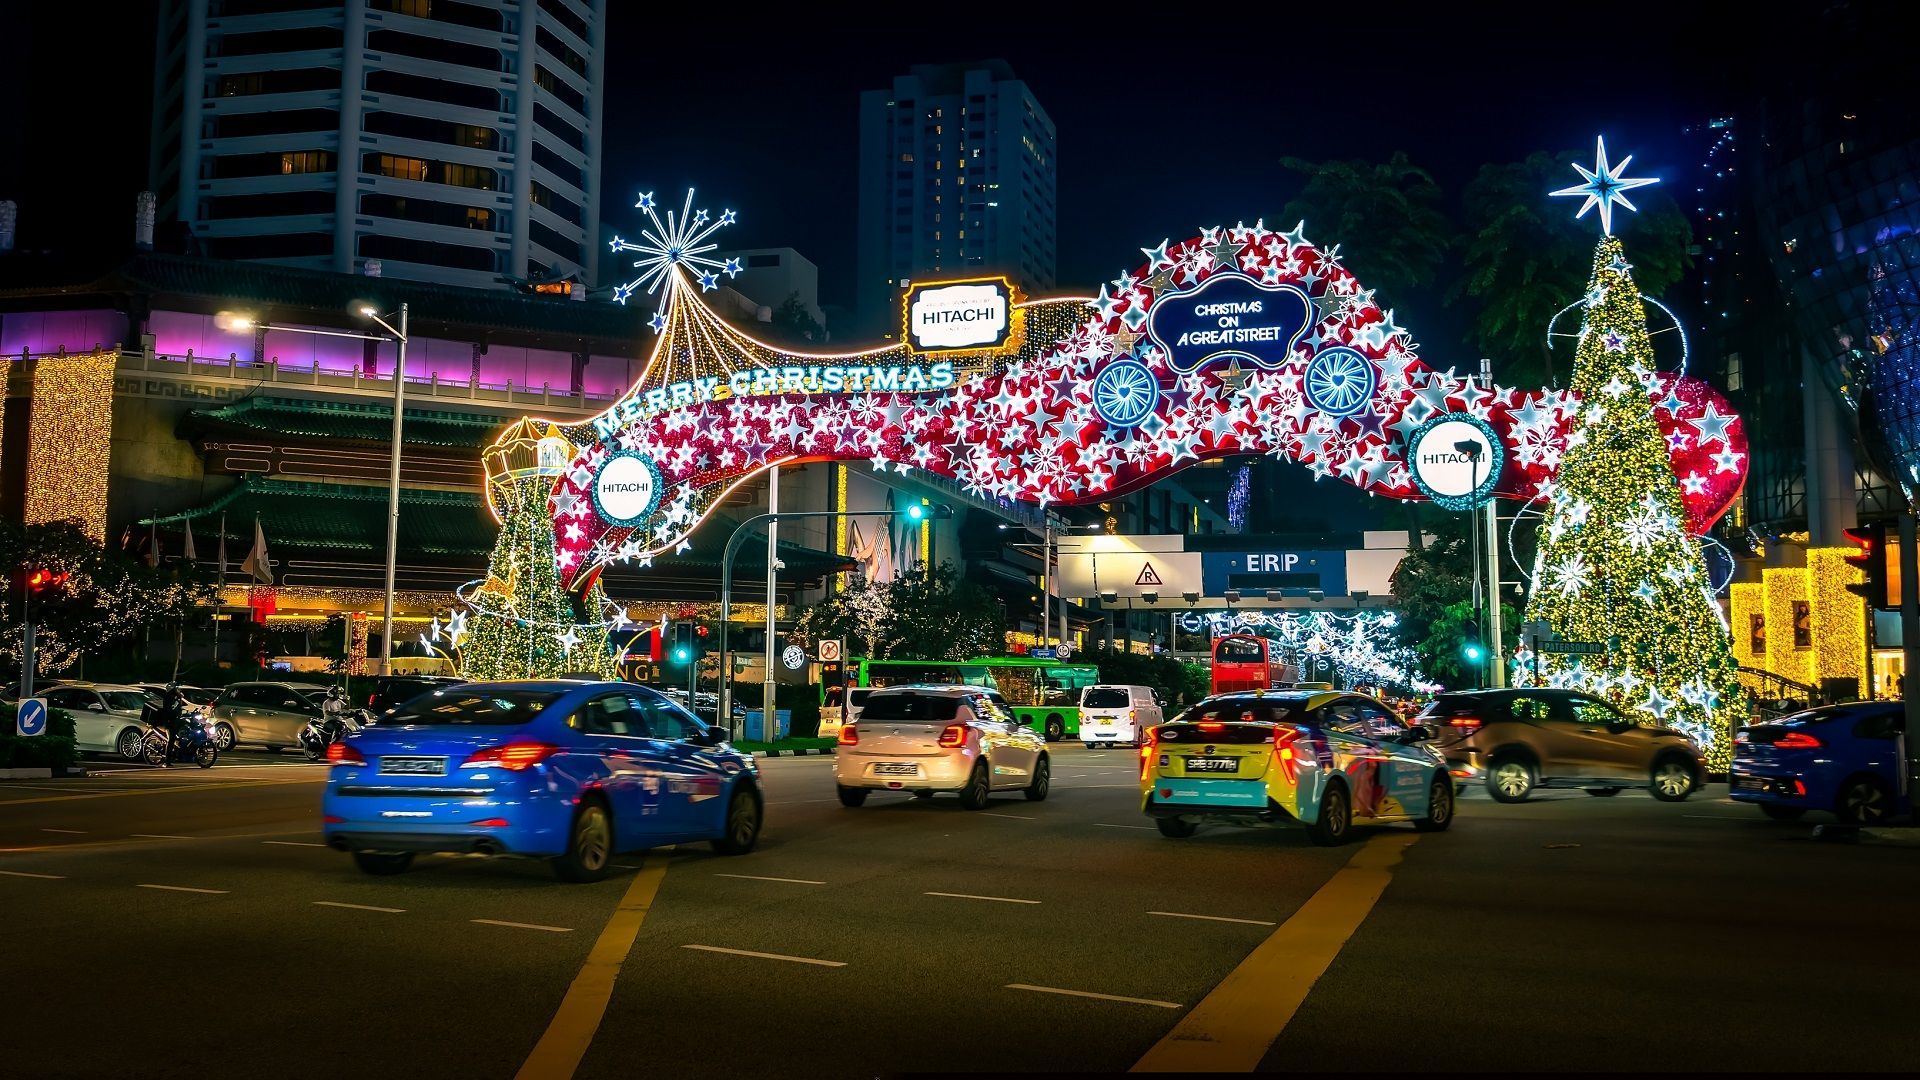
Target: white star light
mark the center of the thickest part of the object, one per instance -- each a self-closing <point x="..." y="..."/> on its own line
<point x="1605" y="186"/>
<point x="682" y="241"/>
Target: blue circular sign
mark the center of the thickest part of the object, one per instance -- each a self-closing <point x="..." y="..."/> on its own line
<point x="1340" y="381"/>
<point x="32" y="717"/>
<point x="1125" y="393"/>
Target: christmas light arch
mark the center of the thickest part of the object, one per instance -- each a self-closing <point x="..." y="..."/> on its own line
<point x="1265" y="344"/>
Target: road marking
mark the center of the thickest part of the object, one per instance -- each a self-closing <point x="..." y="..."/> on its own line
<point x="524" y="926"/>
<point x="184" y="888"/>
<point x="359" y="907"/>
<point x="1237" y="1022"/>
<point x="157" y="836"/>
<point x="970" y="896"/>
<point x="69" y="832"/>
<point x="767" y="956"/>
<point x="1096" y="997"/>
<point x="1009" y="817"/>
<point x="1720" y="817"/>
<point x="1212" y="918"/>
<point x="292" y="843"/>
<point x="757" y="877"/>
<point x="1104" y="825"/>
<point x="565" y="1042"/>
<point x="163" y="790"/>
<point x="23" y="873"/>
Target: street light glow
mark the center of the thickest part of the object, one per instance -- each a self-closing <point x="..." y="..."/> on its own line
<point x="233" y="320"/>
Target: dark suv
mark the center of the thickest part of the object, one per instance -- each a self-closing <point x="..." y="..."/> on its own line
<point x="1518" y="740"/>
<point x="391" y="691"/>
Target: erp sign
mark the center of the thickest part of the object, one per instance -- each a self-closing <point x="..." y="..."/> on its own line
<point x="1229" y="315"/>
<point x="1256" y="570"/>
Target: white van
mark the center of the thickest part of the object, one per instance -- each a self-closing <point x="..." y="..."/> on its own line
<point x="835" y="717"/>
<point x="1111" y="715"/>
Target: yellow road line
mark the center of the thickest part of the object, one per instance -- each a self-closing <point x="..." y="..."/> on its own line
<point x="156" y="791"/>
<point x="558" y="1053"/>
<point x="1233" y="1026"/>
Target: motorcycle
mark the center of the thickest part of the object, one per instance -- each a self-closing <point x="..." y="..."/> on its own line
<point x="196" y="743"/>
<point x="322" y="732"/>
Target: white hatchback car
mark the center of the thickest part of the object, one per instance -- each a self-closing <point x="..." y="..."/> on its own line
<point x="107" y="717"/>
<point x="927" y="739"/>
<point x="1113" y="714"/>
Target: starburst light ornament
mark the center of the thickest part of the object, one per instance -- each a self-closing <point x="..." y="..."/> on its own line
<point x="1605" y="186"/>
<point x="682" y="241"/>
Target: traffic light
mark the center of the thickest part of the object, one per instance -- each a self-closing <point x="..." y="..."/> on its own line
<point x="1870" y="560"/>
<point x="920" y="513"/>
<point x="682" y="643"/>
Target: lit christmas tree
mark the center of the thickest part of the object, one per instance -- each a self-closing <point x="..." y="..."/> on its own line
<point x="520" y="622"/>
<point x="1615" y="562"/>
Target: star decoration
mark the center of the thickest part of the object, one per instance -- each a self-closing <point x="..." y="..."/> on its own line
<point x="1605" y="186"/>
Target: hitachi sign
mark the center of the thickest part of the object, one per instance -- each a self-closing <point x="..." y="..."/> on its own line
<point x="958" y="315"/>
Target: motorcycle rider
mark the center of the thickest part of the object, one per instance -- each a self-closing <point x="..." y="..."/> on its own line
<point x="173" y="719"/>
<point x="333" y="713"/>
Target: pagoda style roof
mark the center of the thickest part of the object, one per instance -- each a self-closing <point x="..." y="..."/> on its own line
<point x="348" y="420"/>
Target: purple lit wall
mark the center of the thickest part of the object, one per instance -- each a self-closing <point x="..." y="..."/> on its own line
<point x="51" y="331"/>
<point x="177" y="332"/>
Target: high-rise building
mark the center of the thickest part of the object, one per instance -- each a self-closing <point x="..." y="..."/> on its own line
<point x="455" y="141"/>
<point x="957" y="177"/>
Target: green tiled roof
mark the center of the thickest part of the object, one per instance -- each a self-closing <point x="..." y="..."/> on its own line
<point x="370" y="422"/>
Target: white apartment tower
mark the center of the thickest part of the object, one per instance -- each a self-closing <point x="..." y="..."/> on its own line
<point x="454" y="141"/>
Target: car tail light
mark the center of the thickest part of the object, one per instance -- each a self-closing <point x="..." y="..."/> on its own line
<point x="1148" y="747"/>
<point x="1283" y="739"/>
<point x="370" y="698"/>
<point x="341" y="754"/>
<point x="1797" y="740"/>
<point x="1133" y="716"/>
<point x="1799" y="789"/>
<point x="334" y="819"/>
<point x="491" y="823"/>
<point x="512" y="757"/>
<point x="1466" y="725"/>
<point x="953" y="735"/>
<point x="1211" y="728"/>
<point x="849" y="736"/>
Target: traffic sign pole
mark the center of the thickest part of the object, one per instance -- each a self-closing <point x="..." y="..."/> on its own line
<point x="26" y="661"/>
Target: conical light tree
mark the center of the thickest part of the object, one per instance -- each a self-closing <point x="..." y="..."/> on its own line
<point x="1615" y="561"/>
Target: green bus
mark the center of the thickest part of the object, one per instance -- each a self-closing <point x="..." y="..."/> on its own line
<point x="1044" y="694"/>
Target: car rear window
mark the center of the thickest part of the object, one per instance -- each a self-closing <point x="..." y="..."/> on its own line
<point x="492" y="708"/>
<point x="911" y="708"/>
<point x="1104" y="697"/>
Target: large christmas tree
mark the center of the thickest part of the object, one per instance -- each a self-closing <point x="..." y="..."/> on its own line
<point x="521" y="623"/>
<point x="1615" y="561"/>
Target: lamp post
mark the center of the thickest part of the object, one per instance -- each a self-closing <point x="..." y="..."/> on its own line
<point x="1048" y="581"/>
<point x="397" y="335"/>
<point x="917" y="513"/>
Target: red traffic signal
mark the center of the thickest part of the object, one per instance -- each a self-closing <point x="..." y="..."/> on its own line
<point x="42" y="580"/>
<point x="1871" y="561"/>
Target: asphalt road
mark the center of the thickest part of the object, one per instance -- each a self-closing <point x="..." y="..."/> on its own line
<point x="187" y="922"/>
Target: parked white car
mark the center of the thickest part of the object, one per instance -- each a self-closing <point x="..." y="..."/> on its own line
<point x="106" y="716"/>
<point x="928" y="739"/>
<point x="835" y="717"/>
<point x="1115" y="715"/>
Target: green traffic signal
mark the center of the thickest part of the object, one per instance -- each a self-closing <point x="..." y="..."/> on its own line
<point x="1473" y="651"/>
<point x="682" y="654"/>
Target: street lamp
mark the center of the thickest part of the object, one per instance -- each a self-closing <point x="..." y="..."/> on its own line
<point x="1049" y="583"/>
<point x="398" y="335"/>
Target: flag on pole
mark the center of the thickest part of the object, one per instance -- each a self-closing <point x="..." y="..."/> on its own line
<point x="188" y="553"/>
<point x="153" y="544"/>
<point x="223" y="547"/>
<point x="257" y="565"/>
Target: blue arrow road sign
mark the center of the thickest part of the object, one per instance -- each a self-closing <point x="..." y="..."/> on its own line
<point x="32" y="718"/>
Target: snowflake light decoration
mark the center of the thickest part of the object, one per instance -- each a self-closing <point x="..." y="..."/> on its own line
<point x="681" y="242"/>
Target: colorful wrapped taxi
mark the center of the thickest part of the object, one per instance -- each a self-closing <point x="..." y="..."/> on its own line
<point x="1321" y="759"/>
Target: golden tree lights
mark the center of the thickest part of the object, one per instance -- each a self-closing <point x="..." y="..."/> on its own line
<point x="1616" y="562"/>
<point x="69" y="439"/>
<point x="1839" y="617"/>
<point x="1789" y="623"/>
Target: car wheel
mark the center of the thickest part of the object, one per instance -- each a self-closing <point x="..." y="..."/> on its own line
<point x="1862" y="801"/>
<point x="1042" y="779"/>
<point x="743" y="824"/>
<point x="1439" y="807"/>
<point x="1781" y="812"/>
<point x="1056" y="728"/>
<point x="1510" y="779"/>
<point x="853" y="796"/>
<point x="1336" y="818"/>
<point x="1174" y="828"/>
<point x="223" y="735"/>
<point x="589" y="846"/>
<point x="1673" y="779"/>
<point x="974" y="795"/>
<point x="131" y="744"/>
<point x="383" y="863"/>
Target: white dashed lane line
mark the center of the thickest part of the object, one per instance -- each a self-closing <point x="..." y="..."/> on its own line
<point x="292" y="843"/>
<point x="157" y="836"/>
<point x="757" y="877"/>
<point x="970" y="896"/>
<point x="1104" y="825"/>
<point x="524" y="926"/>
<point x="68" y="832"/>
<point x="767" y="956"/>
<point x="23" y="873"/>
<point x="1213" y="918"/>
<point x="1096" y="997"/>
<point x="1009" y="817"/>
<point x="184" y="888"/>
<point x="359" y="907"/>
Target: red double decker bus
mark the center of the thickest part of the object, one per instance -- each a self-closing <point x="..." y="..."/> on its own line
<point x="1240" y="662"/>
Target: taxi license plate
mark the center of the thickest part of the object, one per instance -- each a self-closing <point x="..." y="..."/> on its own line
<point x="1750" y="782"/>
<point x="895" y="770"/>
<point x="1213" y="764"/>
<point x="414" y="766"/>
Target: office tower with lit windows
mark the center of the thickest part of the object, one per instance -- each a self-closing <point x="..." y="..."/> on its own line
<point x="957" y="177"/>
<point x="455" y="141"/>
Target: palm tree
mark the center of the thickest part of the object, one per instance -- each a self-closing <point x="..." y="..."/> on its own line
<point x="1385" y="216"/>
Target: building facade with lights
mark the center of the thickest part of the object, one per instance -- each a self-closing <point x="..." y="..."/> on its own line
<point x="957" y="176"/>
<point x="457" y="142"/>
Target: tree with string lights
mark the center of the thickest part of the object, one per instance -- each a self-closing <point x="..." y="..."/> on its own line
<point x="1615" y="561"/>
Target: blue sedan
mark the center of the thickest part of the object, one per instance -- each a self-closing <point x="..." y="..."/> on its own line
<point x="1845" y="759"/>
<point x="574" y="772"/>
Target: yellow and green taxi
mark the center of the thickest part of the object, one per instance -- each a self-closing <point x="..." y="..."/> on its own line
<point x="1323" y="759"/>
